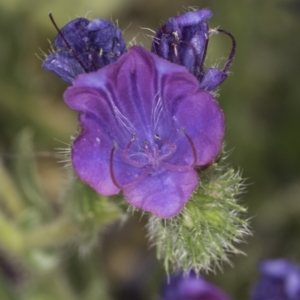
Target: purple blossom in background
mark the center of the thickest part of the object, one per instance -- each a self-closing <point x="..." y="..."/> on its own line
<point x="279" y="280"/>
<point x="190" y="288"/>
<point x="184" y="39"/>
<point x="146" y="126"/>
<point x="84" y="46"/>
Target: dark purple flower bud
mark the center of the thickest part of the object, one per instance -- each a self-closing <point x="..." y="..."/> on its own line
<point x="279" y="280"/>
<point x="183" y="40"/>
<point x="190" y="288"/>
<point x="84" y="46"/>
<point x="146" y="126"/>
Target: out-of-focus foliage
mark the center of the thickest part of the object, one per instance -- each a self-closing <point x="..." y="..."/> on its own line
<point x="261" y="102"/>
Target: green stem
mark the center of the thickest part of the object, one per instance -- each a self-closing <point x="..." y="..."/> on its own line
<point x="61" y="230"/>
<point x="12" y="200"/>
<point x="11" y="238"/>
<point x="62" y="287"/>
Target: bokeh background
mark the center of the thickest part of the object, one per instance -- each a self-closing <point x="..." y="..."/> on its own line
<point x="261" y="101"/>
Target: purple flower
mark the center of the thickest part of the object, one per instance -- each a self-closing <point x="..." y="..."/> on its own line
<point x="146" y="125"/>
<point x="84" y="46"/>
<point x="279" y="280"/>
<point x="184" y="39"/>
<point x="190" y="288"/>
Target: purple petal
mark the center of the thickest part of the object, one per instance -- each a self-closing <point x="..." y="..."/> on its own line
<point x="163" y="193"/>
<point x="191" y="288"/>
<point x="278" y="268"/>
<point x="64" y="65"/>
<point x="133" y="115"/>
<point x="203" y="121"/>
<point x="280" y="280"/>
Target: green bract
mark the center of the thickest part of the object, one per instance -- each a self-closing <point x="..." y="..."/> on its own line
<point x="205" y="232"/>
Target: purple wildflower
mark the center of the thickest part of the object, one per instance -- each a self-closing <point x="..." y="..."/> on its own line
<point x="184" y="39"/>
<point x="146" y="126"/>
<point x="84" y="46"/>
<point x="279" y="280"/>
<point x="191" y="288"/>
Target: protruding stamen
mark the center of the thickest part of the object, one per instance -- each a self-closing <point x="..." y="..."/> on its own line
<point x="147" y="150"/>
<point x="67" y="43"/>
<point x="204" y="54"/>
<point x="127" y="158"/>
<point x="171" y="145"/>
<point x="232" y="52"/>
<point x="175" y="45"/>
<point x="180" y="168"/>
<point x="111" y="169"/>
<point x="130" y="185"/>
<point x="193" y="150"/>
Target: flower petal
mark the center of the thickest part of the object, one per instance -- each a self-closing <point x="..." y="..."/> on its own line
<point x="201" y="118"/>
<point x="134" y="87"/>
<point x="142" y="95"/>
<point x="64" y="65"/>
<point x="190" y="288"/>
<point x="163" y="193"/>
<point x="279" y="280"/>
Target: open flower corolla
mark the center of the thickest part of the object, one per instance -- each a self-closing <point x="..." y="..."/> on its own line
<point x="148" y="119"/>
<point x="146" y="126"/>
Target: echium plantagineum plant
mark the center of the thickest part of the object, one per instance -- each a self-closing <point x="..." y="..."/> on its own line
<point x="151" y="127"/>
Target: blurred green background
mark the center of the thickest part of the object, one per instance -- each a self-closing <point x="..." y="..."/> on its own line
<point x="261" y="101"/>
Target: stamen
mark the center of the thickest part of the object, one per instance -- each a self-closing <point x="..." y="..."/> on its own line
<point x="232" y="52"/>
<point x="67" y="43"/>
<point x="178" y="168"/>
<point x="127" y="158"/>
<point x="132" y="184"/>
<point x="111" y="169"/>
<point x="204" y="54"/>
<point x="147" y="150"/>
<point x="175" y="45"/>
<point x="193" y="149"/>
<point x="171" y="145"/>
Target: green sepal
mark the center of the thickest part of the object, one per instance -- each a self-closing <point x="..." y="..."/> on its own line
<point x="209" y="227"/>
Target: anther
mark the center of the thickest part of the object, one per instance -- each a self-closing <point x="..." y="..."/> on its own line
<point x="175" y="45"/>
<point x="127" y="158"/>
<point x="133" y="137"/>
